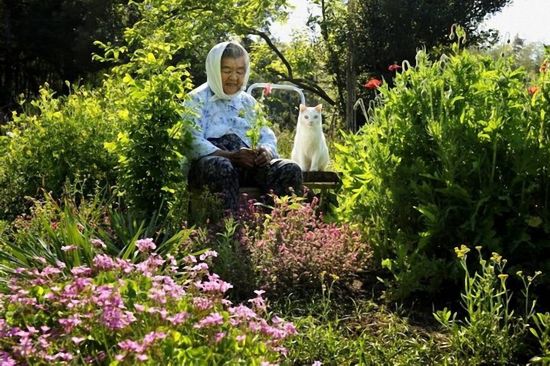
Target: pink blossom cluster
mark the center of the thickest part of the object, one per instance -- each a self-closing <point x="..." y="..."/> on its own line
<point x="293" y="248"/>
<point x="116" y="310"/>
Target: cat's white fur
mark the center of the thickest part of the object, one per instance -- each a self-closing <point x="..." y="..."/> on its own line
<point x="310" y="150"/>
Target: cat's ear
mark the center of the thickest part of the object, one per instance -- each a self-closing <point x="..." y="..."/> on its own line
<point x="302" y="107"/>
<point x="319" y="107"/>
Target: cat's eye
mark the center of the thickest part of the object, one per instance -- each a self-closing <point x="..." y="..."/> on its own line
<point x="306" y="117"/>
<point x="315" y="117"/>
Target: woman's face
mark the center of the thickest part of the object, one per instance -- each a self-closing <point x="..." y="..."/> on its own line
<point x="233" y="73"/>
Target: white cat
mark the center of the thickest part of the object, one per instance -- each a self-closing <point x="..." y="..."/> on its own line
<point x="310" y="150"/>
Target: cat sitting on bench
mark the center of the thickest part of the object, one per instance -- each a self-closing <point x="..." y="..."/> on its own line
<point x="310" y="150"/>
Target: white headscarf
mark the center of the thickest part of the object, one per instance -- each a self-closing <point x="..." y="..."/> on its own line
<point x="213" y="70"/>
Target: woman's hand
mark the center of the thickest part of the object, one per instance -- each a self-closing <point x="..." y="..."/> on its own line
<point x="245" y="157"/>
<point x="263" y="157"/>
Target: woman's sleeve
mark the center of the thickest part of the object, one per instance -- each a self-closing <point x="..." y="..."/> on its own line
<point x="200" y="146"/>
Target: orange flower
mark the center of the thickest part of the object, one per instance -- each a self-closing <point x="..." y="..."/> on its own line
<point x="373" y="84"/>
<point x="394" y="67"/>
<point x="532" y="90"/>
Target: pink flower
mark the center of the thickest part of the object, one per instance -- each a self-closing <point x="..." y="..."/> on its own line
<point x="68" y="248"/>
<point x="210" y="320"/>
<point x="77" y="340"/>
<point x="208" y="254"/>
<point x="258" y="303"/>
<point x="242" y="312"/>
<point x="98" y="243"/>
<point x="115" y="318"/>
<point x="151" y="337"/>
<point x="70" y="323"/>
<point x="178" y="318"/>
<point x="316" y="363"/>
<point x="81" y="271"/>
<point x="219" y="336"/>
<point x="267" y="90"/>
<point x="145" y="245"/>
<point x="6" y="360"/>
<point x="214" y="284"/>
<point x="190" y="259"/>
<point x="104" y="262"/>
<point x="202" y="303"/>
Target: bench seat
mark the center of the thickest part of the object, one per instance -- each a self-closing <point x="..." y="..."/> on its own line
<point x="313" y="180"/>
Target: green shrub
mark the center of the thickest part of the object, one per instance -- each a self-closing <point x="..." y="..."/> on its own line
<point x="458" y="152"/>
<point x="292" y="249"/>
<point x="59" y="140"/>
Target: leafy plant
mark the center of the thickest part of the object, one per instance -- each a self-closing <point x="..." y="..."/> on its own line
<point x="456" y="152"/>
<point x="292" y="249"/>
<point x="541" y="331"/>
<point x="75" y="229"/>
<point x="117" y="312"/>
<point x="58" y="140"/>
<point x="151" y="149"/>
<point x="259" y="121"/>
<point x="491" y="333"/>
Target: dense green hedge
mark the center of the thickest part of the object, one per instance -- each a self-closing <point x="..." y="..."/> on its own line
<point x="458" y="152"/>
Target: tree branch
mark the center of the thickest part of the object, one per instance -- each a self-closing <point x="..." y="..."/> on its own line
<point x="274" y="48"/>
<point x="306" y="85"/>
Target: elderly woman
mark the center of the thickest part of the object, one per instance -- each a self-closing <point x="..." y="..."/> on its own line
<point x="222" y="156"/>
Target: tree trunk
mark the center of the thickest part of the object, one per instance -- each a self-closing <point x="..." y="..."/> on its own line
<point x="351" y="76"/>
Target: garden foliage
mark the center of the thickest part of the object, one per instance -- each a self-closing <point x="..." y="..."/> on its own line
<point x="292" y="250"/>
<point x="59" y="139"/>
<point x="156" y="311"/>
<point x="458" y="152"/>
<point x="492" y="333"/>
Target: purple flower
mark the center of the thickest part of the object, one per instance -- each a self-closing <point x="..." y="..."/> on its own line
<point x="145" y="245"/>
<point x="210" y="320"/>
<point x="214" y="284"/>
<point x="131" y="346"/>
<point x="219" y="336"/>
<point x="202" y="303"/>
<point x="208" y="254"/>
<point x="81" y="271"/>
<point x="151" y="337"/>
<point x="70" y="322"/>
<point x="104" y="262"/>
<point x="178" y="318"/>
<point x="115" y="318"/>
<point x="6" y="360"/>
<point x="98" y="243"/>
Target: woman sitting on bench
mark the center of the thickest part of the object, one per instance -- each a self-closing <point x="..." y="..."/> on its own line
<point x="222" y="159"/>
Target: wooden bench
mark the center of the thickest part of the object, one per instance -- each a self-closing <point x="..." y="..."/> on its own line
<point x="323" y="181"/>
